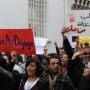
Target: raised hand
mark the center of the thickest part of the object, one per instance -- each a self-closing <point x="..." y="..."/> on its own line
<point x="78" y="53"/>
<point x="63" y="31"/>
<point x="55" y="43"/>
<point x="14" y="56"/>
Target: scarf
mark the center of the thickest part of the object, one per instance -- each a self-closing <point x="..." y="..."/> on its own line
<point x="52" y="82"/>
<point x="64" y="69"/>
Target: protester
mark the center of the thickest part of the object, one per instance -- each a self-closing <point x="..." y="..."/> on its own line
<point x="17" y="66"/>
<point x="64" y="63"/>
<point x="26" y="57"/>
<point x="7" y="80"/>
<point x="58" y="81"/>
<point x="45" y="51"/>
<point x="33" y="81"/>
<point x="85" y="81"/>
<point x="59" y="51"/>
<point x="44" y="64"/>
<point x="80" y="62"/>
<point x="80" y="80"/>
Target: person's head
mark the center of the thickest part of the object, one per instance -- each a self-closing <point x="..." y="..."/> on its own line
<point x="26" y="57"/>
<point x="86" y="44"/>
<point x="64" y="59"/>
<point x="45" y="49"/>
<point x="44" y="64"/>
<point x="33" y="68"/>
<point x="39" y="57"/>
<point x="9" y="56"/>
<point x="19" y="58"/>
<point x="86" y="55"/>
<point x="6" y="58"/>
<point x="54" y="63"/>
<point x="87" y="70"/>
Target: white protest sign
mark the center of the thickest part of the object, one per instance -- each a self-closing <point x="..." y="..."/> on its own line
<point x="78" y="22"/>
<point x="40" y="43"/>
<point x="39" y="49"/>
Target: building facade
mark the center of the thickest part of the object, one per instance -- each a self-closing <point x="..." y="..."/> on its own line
<point x="46" y="18"/>
<point x="37" y="15"/>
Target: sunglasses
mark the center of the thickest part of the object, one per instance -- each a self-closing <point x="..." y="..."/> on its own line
<point x="85" y="53"/>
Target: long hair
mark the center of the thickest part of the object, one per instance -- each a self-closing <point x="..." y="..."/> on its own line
<point x="39" y="68"/>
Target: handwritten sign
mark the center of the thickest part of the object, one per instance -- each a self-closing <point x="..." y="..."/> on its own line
<point x="78" y="22"/>
<point x="40" y="43"/>
<point x="20" y="40"/>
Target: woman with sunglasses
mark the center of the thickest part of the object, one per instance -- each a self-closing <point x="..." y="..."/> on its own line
<point x="80" y="79"/>
<point x="33" y="81"/>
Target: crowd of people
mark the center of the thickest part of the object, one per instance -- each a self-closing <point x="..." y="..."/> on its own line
<point x="67" y="69"/>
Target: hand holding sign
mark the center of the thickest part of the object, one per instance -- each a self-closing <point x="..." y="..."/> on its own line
<point x="63" y="31"/>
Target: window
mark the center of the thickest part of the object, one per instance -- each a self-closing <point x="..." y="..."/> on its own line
<point x="37" y="17"/>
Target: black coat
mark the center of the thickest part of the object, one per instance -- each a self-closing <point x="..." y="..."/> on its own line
<point x="85" y="83"/>
<point x="75" y="73"/>
<point x="42" y="84"/>
<point x="63" y="82"/>
<point x="75" y="67"/>
<point x="6" y="80"/>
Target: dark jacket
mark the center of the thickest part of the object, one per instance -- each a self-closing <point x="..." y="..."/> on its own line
<point x="17" y="77"/>
<point x="85" y="83"/>
<point x="57" y="50"/>
<point x="42" y="84"/>
<point x="68" y="49"/>
<point x="75" y="73"/>
<point x="6" y="80"/>
<point x="63" y="82"/>
<point x="74" y="66"/>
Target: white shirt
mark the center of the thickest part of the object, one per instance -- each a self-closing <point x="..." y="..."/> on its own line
<point x="28" y="85"/>
<point x="16" y="67"/>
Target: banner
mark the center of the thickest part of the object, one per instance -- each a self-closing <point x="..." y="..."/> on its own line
<point x="19" y="40"/>
<point x="78" y="22"/>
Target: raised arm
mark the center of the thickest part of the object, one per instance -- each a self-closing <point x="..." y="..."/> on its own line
<point x="57" y="49"/>
<point x="66" y="44"/>
<point x="73" y="72"/>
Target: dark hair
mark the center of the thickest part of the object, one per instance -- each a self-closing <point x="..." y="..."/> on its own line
<point x="86" y="44"/>
<point x="61" y="48"/>
<point x="8" y="55"/>
<point x="19" y="58"/>
<point x="44" y="62"/>
<point x="53" y="56"/>
<point x="39" y="68"/>
<point x="39" y="57"/>
<point x="2" y="62"/>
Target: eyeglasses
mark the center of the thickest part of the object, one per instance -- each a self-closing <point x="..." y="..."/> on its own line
<point x="85" y="53"/>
